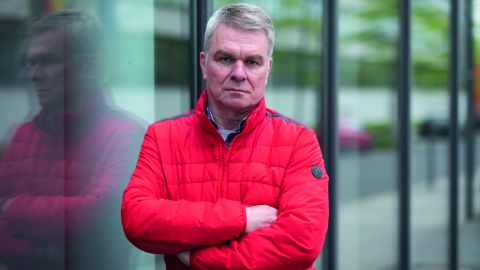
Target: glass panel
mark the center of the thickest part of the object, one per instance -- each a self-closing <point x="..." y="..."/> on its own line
<point x="77" y="91"/>
<point x="295" y="78"/>
<point x="172" y="30"/>
<point x="172" y="33"/>
<point x="469" y="210"/>
<point x="368" y="210"/>
<point x="430" y="116"/>
<point x="476" y="13"/>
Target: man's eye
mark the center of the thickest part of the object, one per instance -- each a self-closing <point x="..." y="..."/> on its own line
<point x="30" y="63"/>
<point x="225" y="59"/>
<point x="42" y="61"/>
<point x="251" y="63"/>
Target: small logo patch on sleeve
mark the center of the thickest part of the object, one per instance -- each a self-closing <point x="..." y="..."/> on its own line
<point x="317" y="172"/>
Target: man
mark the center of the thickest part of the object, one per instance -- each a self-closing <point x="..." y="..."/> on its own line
<point x="231" y="184"/>
<point x="61" y="175"/>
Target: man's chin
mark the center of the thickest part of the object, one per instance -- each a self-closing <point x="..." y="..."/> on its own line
<point x="49" y="104"/>
<point x="239" y="106"/>
<point x="48" y="99"/>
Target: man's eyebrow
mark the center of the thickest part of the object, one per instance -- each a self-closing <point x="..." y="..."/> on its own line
<point x="255" y="57"/>
<point x="258" y="57"/>
<point x="40" y="56"/>
<point x="222" y="53"/>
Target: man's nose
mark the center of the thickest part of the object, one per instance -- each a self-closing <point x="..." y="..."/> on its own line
<point x="238" y="71"/>
<point x="35" y="72"/>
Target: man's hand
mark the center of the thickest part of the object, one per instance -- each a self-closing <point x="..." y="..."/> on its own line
<point x="4" y="203"/>
<point x="260" y="216"/>
<point x="184" y="257"/>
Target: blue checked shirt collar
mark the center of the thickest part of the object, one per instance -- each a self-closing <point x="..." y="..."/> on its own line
<point x="230" y="136"/>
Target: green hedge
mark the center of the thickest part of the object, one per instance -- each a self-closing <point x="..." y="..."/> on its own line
<point x="383" y="134"/>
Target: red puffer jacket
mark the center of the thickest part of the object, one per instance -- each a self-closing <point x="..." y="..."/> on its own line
<point x="61" y="178"/>
<point x="189" y="192"/>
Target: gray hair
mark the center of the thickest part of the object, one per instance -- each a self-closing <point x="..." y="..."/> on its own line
<point x="83" y="33"/>
<point x="244" y="16"/>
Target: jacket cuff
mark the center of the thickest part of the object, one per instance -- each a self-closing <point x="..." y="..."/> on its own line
<point x="193" y="259"/>
<point x="4" y="205"/>
<point x="244" y="219"/>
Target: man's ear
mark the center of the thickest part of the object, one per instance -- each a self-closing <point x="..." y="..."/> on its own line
<point x="270" y="62"/>
<point x="203" y="64"/>
<point x="83" y="68"/>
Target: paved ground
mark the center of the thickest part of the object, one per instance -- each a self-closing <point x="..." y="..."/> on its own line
<point x="367" y="238"/>
<point x="368" y="215"/>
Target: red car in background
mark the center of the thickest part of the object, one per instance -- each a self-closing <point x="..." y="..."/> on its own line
<point x="351" y="136"/>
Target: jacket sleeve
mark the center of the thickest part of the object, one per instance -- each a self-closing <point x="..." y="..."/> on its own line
<point x="12" y="247"/>
<point x="156" y="224"/>
<point x="296" y="238"/>
<point x="50" y="216"/>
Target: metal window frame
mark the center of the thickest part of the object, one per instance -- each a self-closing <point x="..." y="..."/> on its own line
<point x="470" y="126"/>
<point x="454" y="83"/>
<point x="200" y="11"/>
<point x="404" y="133"/>
<point x="329" y="123"/>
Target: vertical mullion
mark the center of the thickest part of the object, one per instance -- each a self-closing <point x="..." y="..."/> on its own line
<point x="404" y="90"/>
<point x="193" y="49"/>
<point x="199" y="12"/>
<point x="204" y="10"/>
<point x="470" y="129"/>
<point x="453" y="135"/>
<point x="329" y="123"/>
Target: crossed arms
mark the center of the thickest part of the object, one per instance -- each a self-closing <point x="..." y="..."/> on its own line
<point x="227" y="234"/>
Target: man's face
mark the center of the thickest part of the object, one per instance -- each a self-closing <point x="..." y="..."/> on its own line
<point x="46" y="68"/>
<point x="236" y="68"/>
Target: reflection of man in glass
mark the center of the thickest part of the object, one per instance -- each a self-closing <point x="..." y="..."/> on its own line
<point x="231" y="184"/>
<point x="61" y="175"/>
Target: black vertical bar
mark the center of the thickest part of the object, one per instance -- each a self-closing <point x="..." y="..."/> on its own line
<point x="199" y="12"/>
<point x="453" y="135"/>
<point x="329" y="123"/>
<point x="193" y="51"/>
<point x="470" y="128"/>
<point x="404" y="89"/>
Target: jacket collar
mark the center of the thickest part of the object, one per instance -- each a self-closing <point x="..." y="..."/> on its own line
<point x="69" y="122"/>
<point x="253" y="120"/>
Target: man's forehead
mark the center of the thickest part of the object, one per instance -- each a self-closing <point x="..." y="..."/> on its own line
<point x="54" y="34"/>
<point x="227" y="38"/>
<point x="46" y="42"/>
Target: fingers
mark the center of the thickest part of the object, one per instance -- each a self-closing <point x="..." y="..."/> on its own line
<point x="260" y="216"/>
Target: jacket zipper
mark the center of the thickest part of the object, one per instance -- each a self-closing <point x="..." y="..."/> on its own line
<point x="222" y="171"/>
<point x="225" y="157"/>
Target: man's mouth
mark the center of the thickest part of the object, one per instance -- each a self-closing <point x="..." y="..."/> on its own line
<point x="236" y="90"/>
<point x="43" y="92"/>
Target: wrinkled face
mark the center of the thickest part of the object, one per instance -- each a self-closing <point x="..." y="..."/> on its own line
<point x="236" y="68"/>
<point x="46" y="67"/>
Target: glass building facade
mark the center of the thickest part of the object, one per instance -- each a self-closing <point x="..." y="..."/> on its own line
<point x="392" y="89"/>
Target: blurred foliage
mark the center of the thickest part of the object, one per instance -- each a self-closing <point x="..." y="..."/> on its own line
<point x="370" y="38"/>
<point x="368" y="33"/>
<point x="383" y="134"/>
<point x="430" y="43"/>
<point x="169" y="67"/>
<point x="295" y="68"/>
